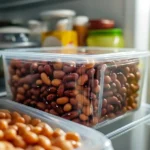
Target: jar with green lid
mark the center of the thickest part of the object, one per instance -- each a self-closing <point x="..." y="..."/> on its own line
<point x="106" y="38"/>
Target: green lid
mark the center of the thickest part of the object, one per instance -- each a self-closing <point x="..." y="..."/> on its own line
<point x="115" y="31"/>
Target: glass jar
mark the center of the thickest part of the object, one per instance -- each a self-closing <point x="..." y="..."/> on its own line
<point x="106" y="38"/>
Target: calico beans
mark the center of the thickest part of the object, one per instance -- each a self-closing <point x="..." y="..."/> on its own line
<point x="21" y="132"/>
<point x="86" y="93"/>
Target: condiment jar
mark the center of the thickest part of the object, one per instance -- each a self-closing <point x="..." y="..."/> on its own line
<point x="106" y="38"/>
<point x="101" y="24"/>
<point x="59" y="32"/>
<point x="81" y="27"/>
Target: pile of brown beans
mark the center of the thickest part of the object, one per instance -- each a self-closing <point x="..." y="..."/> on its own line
<point x="21" y="132"/>
<point x="86" y="93"/>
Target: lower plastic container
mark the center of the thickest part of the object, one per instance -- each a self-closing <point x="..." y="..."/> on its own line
<point x="87" y="87"/>
<point x="92" y="141"/>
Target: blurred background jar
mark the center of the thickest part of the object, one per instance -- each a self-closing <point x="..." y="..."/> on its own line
<point x="60" y="28"/>
<point x="81" y="27"/>
<point x="104" y="34"/>
<point x="106" y="38"/>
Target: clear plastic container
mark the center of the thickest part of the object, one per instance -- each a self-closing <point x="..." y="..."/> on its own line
<point x="94" y="140"/>
<point x="87" y="87"/>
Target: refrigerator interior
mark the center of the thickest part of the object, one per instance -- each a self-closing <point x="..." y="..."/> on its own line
<point x="133" y="17"/>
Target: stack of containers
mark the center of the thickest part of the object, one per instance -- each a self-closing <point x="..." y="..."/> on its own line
<point x="88" y="87"/>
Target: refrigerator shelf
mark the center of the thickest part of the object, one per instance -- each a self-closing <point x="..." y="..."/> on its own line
<point x="11" y="3"/>
<point x="113" y="127"/>
<point x="134" y="136"/>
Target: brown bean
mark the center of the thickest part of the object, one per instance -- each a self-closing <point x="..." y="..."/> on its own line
<point x="56" y="82"/>
<point x="69" y="68"/>
<point x="121" y="78"/>
<point x="91" y="73"/>
<point x="45" y="79"/>
<point x="73" y="101"/>
<point x="113" y="77"/>
<point x="18" y="72"/>
<point x="110" y="108"/>
<point x="15" y="78"/>
<point x="48" y="69"/>
<point x="87" y="110"/>
<point x="29" y="79"/>
<point x="39" y="82"/>
<point x="50" y="89"/>
<point x="123" y="90"/>
<point x="67" y="107"/>
<point x="118" y="85"/>
<point x="131" y="76"/>
<point x="90" y="64"/>
<point x="138" y="75"/>
<point x="83" y="79"/>
<point x="93" y="83"/>
<point x="60" y="90"/>
<point x="58" y="74"/>
<point x="41" y="69"/>
<point x="81" y="99"/>
<point x="83" y="117"/>
<point x="81" y="70"/>
<point x="52" y="111"/>
<point x="94" y="121"/>
<point x="57" y="108"/>
<point x="104" y="111"/>
<point x="134" y="87"/>
<point x="107" y="79"/>
<point x="34" y="66"/>
<point x="70" y="77"/>
<point x="58" y="65"/>
<point x="113" y="101"/>
<point x="20" y="97"/>
<point x="26" y="86"/>
<point x="70" y="85"/>
<point x="51" y="97"/>
<point x="41" y="105"/>
<point x="96" y="89"/>
<point x="70" y="93"/>
<point x="71" y="115"/>
<point x="62" y="100"/>
<point x="107" y="93"/>
<point x="107" y="86"/>
<point x="104" y="103"/>
<point x="111" y="115"/>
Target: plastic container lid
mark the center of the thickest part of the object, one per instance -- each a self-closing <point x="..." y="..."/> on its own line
<point x="81" y="20"/>
<point x="62" y="13"/>
<point x="115" y="31"/>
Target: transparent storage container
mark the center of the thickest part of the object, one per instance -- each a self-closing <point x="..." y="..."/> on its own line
<point x="94" y="140"/>
<point x="87" y="87"/>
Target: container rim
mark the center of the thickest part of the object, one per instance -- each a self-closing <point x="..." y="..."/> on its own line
<point x="51" y="52"/>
